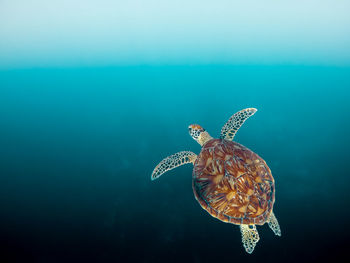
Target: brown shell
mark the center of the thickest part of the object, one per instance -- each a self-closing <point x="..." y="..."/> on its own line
<point x="233" y="183"/>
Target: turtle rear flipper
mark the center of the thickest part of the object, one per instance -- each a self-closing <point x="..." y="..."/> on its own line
<point x="172" y="162"/>
<point x="250" y="237"/>
<point x="273" y="224"/>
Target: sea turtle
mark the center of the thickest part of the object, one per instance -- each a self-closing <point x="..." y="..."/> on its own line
<point x="231" y="182"/>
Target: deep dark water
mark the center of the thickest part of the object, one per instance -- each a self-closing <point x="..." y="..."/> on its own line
<point x="78" y="147"/>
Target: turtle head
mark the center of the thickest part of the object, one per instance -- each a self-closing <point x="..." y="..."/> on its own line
<point x="199" y="134"/>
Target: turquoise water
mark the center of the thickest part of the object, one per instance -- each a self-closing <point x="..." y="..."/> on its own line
<point x="78" y="146"/>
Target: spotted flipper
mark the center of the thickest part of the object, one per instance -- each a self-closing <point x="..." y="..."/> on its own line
<point x="273" y="224"/>
<point x="230" y="128"/>
<point x="172" y="162"/>
<point x="250" y="237"/>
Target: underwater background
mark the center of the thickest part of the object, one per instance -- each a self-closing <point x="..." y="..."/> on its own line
<point x="81" y="132"/>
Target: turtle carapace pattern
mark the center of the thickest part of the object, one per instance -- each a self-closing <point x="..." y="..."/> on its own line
<point x="230" y="182"/>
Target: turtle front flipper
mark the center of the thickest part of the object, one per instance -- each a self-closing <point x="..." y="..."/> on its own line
<point x="231" y="127"/>
<point x="250" y="237"/>
<point x="273" y="224"/>
<point x="172" y="162"/>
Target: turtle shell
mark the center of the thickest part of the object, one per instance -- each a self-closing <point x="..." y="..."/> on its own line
<point x="233" y="183"/>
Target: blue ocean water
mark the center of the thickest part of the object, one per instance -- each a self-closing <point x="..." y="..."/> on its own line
<point x="78" y="146"/>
